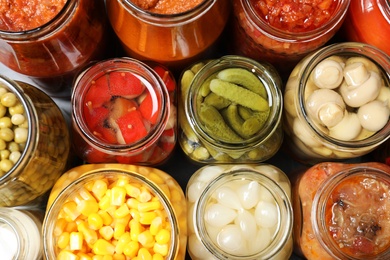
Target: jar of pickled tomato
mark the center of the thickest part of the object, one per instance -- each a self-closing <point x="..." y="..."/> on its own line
<point x="124" y="110"/>
<point x="239" y="212"/>
<point x="34" y="143"/>
<point x="336" y="103"/>
<point x="375" y="29"/>
<point x="342" y="211"/>
<point x="230" y="111"/>
<point x="173" y="33"/>
<point x="115" y="210"/>
<point x="52" y="39"/>
<point x="283" y="32"/>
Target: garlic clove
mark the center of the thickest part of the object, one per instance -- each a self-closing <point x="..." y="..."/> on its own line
<point x="355" y="74"/>
<point x="374" y="115"/>
<point x="328" y="74"/>
<point x="347" y="129"/>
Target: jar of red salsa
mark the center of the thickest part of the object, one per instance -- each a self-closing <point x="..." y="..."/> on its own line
<point x="124" y="111"/>
<point x="342" y="211"/>
<point x="375" y="29"/>
<point x="283" y="32"/>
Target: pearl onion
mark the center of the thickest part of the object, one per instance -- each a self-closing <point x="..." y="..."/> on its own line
<point x="218" y="215"/>
<point x="249" y="194"/>
<point x="266" y="214"/>
<point x="231" y="241"/>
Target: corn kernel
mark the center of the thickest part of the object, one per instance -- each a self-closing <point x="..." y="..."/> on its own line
<point x="131" y="249"/>
<point x="149" y="206"/>
<point x="87" y="207"/>
<point x="144" y="254"/>
<point x="163" y="236"/>
<point x="135" y="214"/>
<point x="122" y="181"/>
<point x="146" y="218"/>
<point x="86" y="195"/>
<point x="76" y="241"/>
<point x="146" y="239"/>
<point x="156" y="225"/>
<point x="66" y="255"/>
<point x="132" y="203"/>
<point x="145" y="195"/>
<point x="107" y="219"/>
<point x="70" y="209"/>
<point x="84" y="256"/>
<point x="122" y="242"/>
<point x="161" y="249"/>
<point x="119" y="257"/>
<point x="118" y="195"/>
<point x="106" y="232"/>
<point x="135" y="229"/>
<point x="71" y="227"/>
<point x="119" y="230"/>
<point x="99" y="188"/>
<point x="90" y="235"/>
<point x="63" y="240"/>
<point x="154" y="177"/>
<point x="122" y="211"/>
<point x="105" y="202"/>
<point x="158" y="257"/>
<point x="132" y="191"/>
<point x="59" y="226"/>
<point x="95" y="221"/>
<point x="103" y="247"/>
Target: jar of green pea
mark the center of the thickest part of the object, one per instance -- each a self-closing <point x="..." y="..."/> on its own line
<point x="230" y="110"/>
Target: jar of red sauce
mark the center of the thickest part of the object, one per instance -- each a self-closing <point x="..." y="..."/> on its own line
<point x="124" y="110"/>
<point x="375" y="29"/>
<point x="49" y="43"/>
<point x="283" y="32"/>
<point x="342" y="211"/>
<point x="173" y="33"/>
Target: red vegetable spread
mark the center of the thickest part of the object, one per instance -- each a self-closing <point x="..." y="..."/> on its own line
<point x="167" y="6"/>
<point x="23" y="15"/>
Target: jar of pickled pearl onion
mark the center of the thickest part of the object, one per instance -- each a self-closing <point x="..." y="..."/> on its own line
<point x="239" y="212"/>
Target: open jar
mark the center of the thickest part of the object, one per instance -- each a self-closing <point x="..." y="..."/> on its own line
<point x="230" y="111"/>
<point x="239" y="212"/>
<point x="336" y="103"/>
<point x="34" y="143"/>
<point x="115" y="210"/>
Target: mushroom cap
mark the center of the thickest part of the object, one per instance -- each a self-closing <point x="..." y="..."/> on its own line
<point x="374" y="115"/>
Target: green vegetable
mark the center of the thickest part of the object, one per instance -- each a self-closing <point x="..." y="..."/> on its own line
<point x="216" y="101"/>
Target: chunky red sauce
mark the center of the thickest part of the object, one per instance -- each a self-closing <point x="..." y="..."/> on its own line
<point x="167" y="6"/>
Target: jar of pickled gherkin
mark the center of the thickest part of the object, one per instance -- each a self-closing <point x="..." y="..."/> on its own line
<point x="239" y="212"/>
<point x="117" y="210"/>
<point x="34" y="143"/>
<point x="230" y="110"/>
<point x="336" y="103"/>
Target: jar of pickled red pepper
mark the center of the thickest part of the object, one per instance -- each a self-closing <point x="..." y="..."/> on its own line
<point x="115" y="210"/>
<point x="48" y="41"/>
<point x="336" y="103"/>
<point x="173" y="33"/>
<point x="239" y="212"/>
<point x="375" y="29"/>
<point x="342" y="211"/>
<point x="230" y="111"/>
<point x="34" y="143"/>
<point x="283" y="32"/>
<point x="124" y="111"/>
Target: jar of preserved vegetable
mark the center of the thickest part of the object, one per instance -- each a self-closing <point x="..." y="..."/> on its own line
<point x="342" y="211"/>
<point x="283" y="32"/>
<point x="34" y="143"/>
<point x="124" y="110"/>
<point x="186" y="30"/>
<point x="117" y="210"/>
<point x="230" y="110"/>
<point x="336" y="103"/>
<point x="239" y="212"/>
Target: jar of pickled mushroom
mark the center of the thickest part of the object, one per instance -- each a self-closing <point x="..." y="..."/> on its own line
<point x="173" y="33"/>
<point x="34" y="143"/>
<point x="337" y="103"/>
<point x="230" y="111"/>
<point x="342" y="211"/>
<point x="239" y="212"/>
<point x="283" y="32"/>
<point x="124" y="111"/>
<point x="117" y="211"/>
<point x="48" y="41"/>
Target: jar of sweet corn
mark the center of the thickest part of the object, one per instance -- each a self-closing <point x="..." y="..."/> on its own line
<point x="230" y="111"/>
<point x="115" y="210"/>
<point x="239" y="212"/>
<point x="34" y="143"/>
<point x="337" y="103"/>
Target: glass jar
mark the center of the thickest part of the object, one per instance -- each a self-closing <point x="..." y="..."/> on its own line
<point x="50" y="53"/>
<point x="284" y="39"/>
<point x="239" y="212"/>
<point x="241" y="125"/>
<point x="38" y="144"/>
<point x="117" y="210"/>
<point x="123" y="111"/>
<point x="342" y="211"/>
<point x="376" y="28"/>
<point x="183" y="37"/>
<point x="336" y="103"/>
<point x="20" y="234"/>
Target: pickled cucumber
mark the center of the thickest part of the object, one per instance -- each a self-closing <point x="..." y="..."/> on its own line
<point x="185" y="83"/>
<point x="216" y="101"/>
<point x="234" y="120"/>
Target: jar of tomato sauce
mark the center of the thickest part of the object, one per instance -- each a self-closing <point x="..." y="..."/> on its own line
<point x="283" y="32"/>
<point x="336" y="103"/>
<point x="124" y="110"/>
<point x="115" y="211"/>
<point x="376" y="26"/>
<point x="173" y="33"/>
<point x="48" y="41"/>
<point x="342" y="211"/>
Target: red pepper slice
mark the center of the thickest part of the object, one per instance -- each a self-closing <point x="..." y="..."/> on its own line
<point x="150" y="107"/>
<point x="125" y="84"/>
<point x="132" y="126"/>
<point x="98" y="93"/>
<point x="94" y="116"/>
<point x="105" y="134"/>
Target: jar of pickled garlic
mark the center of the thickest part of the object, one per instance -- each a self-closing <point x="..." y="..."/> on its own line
<point x="337" y="103"/>
<point x="283" y="32"/>
<point x="375" y="29"/>
<point x="230" y="111"/>
<point x="342" y="211"/>
<point x="117" y="211"/>
<point x="34" y="143"/>
<point x="124" y="111"/>
<point x="52" y="39"/>
<point x="173" y="33"/>
<point x="239" y="212"/>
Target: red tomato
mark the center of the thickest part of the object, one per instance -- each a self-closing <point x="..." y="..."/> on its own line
<point x="125" y="84"/>
<point x="150" y="107"/>
<point x="98" y="93"/>
<point x="94" y="116"/>
<point x="132" y="126"/>
<point x="166" y="77"/>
